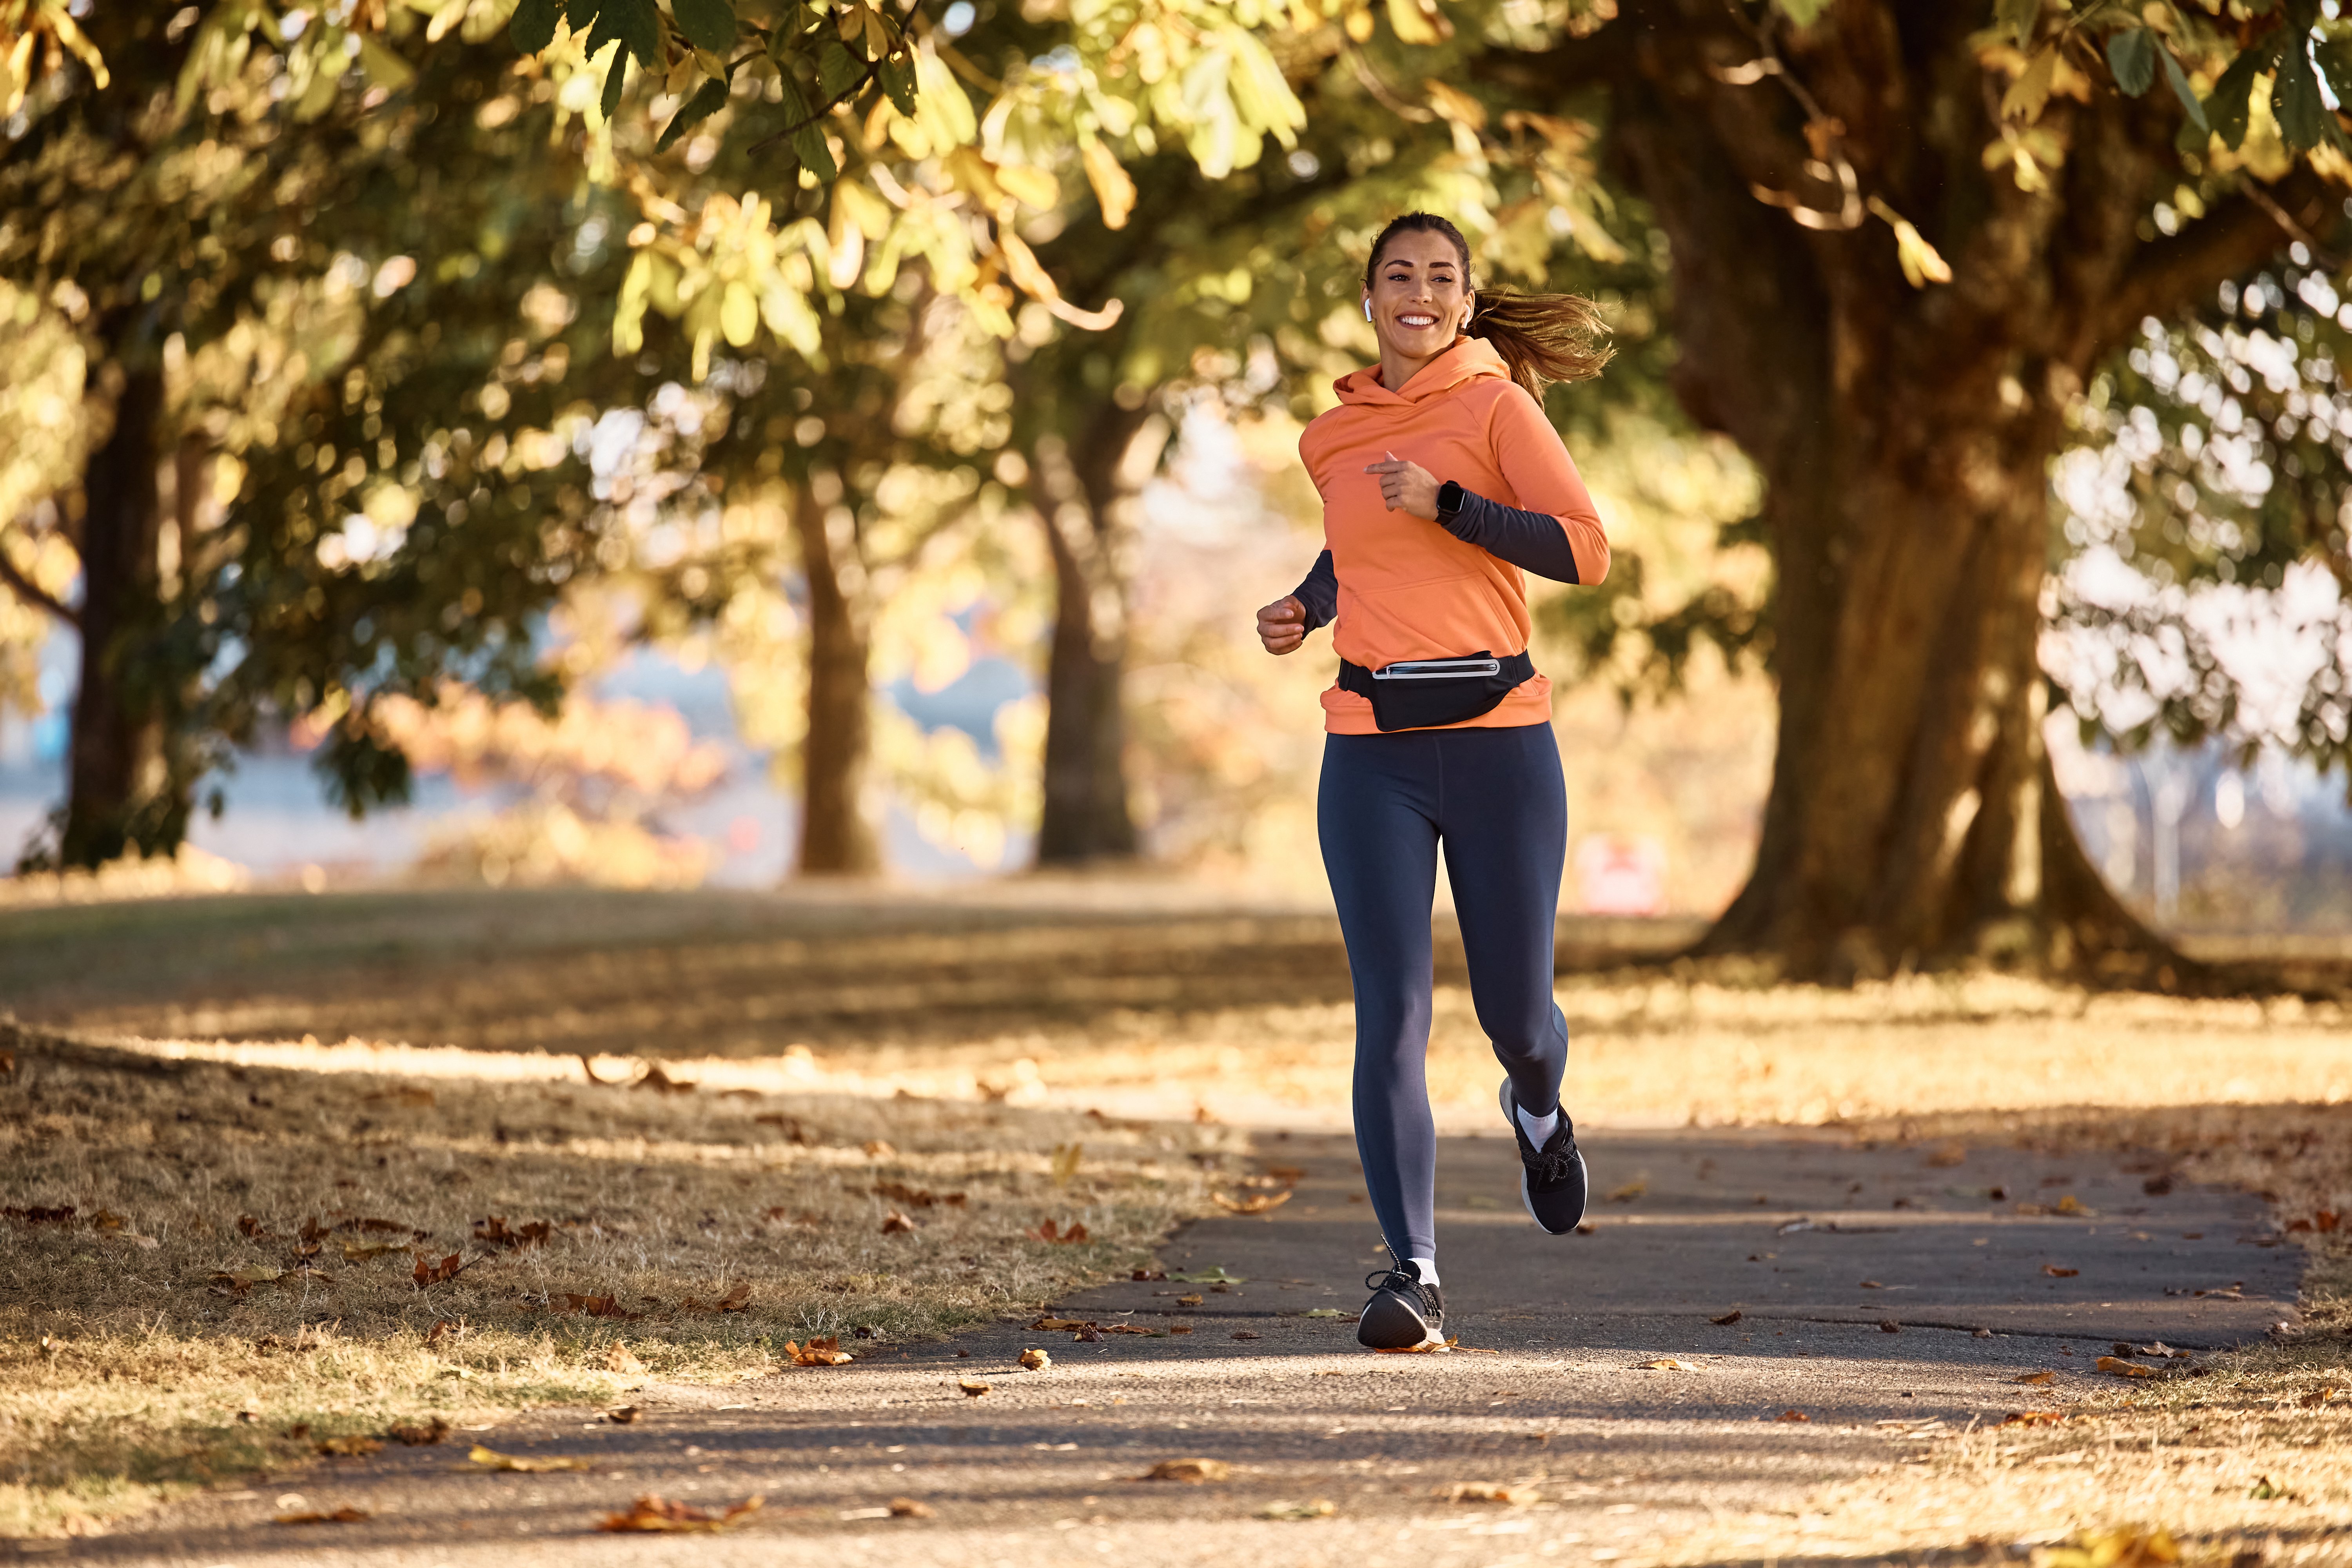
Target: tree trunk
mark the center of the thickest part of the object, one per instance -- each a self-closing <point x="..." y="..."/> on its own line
<point x="1905" y="435"/>
<point x="1088" y="500"/>
<point x="120" y="794"/>
<point x="838" y="830"/>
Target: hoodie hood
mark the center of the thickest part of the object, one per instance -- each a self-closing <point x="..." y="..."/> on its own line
<point x="1470" y="359"/>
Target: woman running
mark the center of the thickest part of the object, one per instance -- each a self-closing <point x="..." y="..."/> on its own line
<point x="1441" y="483"/>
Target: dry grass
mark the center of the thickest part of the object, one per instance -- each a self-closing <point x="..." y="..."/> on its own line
<point x="134" y="1360"/>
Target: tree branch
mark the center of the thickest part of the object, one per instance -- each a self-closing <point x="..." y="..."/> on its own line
<point x="2235" y="236"/>
<point x="32" y="593"/>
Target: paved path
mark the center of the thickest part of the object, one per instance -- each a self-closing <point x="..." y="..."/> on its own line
<point x="1783" y="1228"/>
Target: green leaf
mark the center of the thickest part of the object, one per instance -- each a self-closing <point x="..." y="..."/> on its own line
<point x="611" y="102"/>
<point x="2183" y="91"/>
<point x="2131" y="55"/>
<point x="1802" y="12"/>
<point x="706" y="24"/>
<point x="837" y="71"/>
<point x="808" y="142"/>
<point x="2226" y="105"/>
<point x="384" y="66"/>
<point x="2302" y="113"/>
<point x="898" y="73"/>
<point x="707" y="100"/>
<point x="533" y="27"/>
<point x="2019" y="17"/>
<point x="634" y="23"/>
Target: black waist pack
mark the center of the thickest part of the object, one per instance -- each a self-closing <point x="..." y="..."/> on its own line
<point x="1423" y="693"/>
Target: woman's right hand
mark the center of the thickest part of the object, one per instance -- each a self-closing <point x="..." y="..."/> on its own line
<point x="1282" y="625"/>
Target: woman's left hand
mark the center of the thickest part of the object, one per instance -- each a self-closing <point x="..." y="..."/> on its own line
<point x="1405" y="485"/>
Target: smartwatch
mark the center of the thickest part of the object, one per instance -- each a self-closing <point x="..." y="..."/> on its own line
<point x="1449" y="500"/>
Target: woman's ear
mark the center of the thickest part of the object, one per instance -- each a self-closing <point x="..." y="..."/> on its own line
<point x="1469" y="312"/>
<point x="1367" y="307"/>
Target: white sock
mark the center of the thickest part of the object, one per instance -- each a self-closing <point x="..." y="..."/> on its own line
<point x="1539" y="1127"/>
<point x="1426" y="1267"/>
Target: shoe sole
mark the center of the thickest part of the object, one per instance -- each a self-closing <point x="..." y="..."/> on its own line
<point x="1387" y="1324"/>
<point x="1526" y="1199"/>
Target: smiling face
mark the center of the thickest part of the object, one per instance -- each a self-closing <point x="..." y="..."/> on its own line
<point x="1418" y="297"/>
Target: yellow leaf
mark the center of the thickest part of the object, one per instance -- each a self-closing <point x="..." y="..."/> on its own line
<point x="1455" y="105"/>
<point x="1035" y="1359"/>
<point x="1664" y="1364"/>
<point x="2030" y="91"/>
<point x="490" y="1458"/>
<point x="972" y="1387"/>
<point x="1412" y="24"/>
<point x="1922" y="263"/>
<point x="1033" y="186"/>
<point x="1113" y="189"/>
<point x="2122" y="1368"/>
<point x="739" y="314"/>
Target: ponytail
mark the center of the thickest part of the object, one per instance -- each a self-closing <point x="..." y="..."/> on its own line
<point x="1542" y="338"/>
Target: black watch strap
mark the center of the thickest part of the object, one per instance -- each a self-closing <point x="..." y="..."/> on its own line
<point x="1449" y="500"/>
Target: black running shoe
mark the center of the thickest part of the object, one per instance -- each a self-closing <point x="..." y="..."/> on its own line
<point x="1551" y="1179"/>
<point x="1404" y="1314"/>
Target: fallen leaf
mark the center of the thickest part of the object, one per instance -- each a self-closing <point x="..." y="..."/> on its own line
<point x="1664" y="1364"/>
<point x="2316" y="1398"/>
<point x="491" y="1459"/>
<point x="2036" y="1377"/>
<point x="428" y="1273"/>
<point x="1035" y="1359"/>
<point x="1872" y="1285"/>
<point x="1191" y="1472"/>
<point x="1585" y="1228"/>
<point x="918" y="1197"/>
<point x="2072" y="1205"/>
<point x="1490" y="1492"/>
<point x="1290" y="1174"/>
<point x="418" y="1434"/>
<point x="621" y="1414"/>
<point x="972" y="1387"/>
<point x="1205" y="1117"/>
<point x="1255" y="1203"/>
<point x="1246" y="1334"/>
<point x="2056" y="1272"/>
<point x="1065" y="1161"/>
<point x="247" y="1225"/>
<point x="738" y="1297"/>
<point x="2122" y="1368"/>
<point x="340" y="1516"/>
<point x="599" y="1307"/>
<point x="1147" y="1275"/>
<point x="623" y="1360"/>
<point x="1126" y="1329"/>
<point x="350" y="1448"/>
<point x="1324" y="1312"/>
<point x="824" y="1352"/>
<point x="360" y="1251"/>
<point x="1216" y="1276"/>
<point x="875" y="1149"/>
<point x="107" y="1219"/>
<point x="2122" y="1547"/>
<point x="1728" y="1319"/>
<point x="660" y="1082"/>
<point x="1322" y="1508"/>
<point x="1792" y="1415"/>
<point x="1054" y="1325"/>
<point x="1180" y="1328"/>
<point x="658" y="1515"/>
<point x="896" y="1224"/>
<point x="909" y="1508"/>
<point x="238" y="1282"/>
<point x="441" y="1326"/>
<point x="1949" y="1155"/>
<point x="2034" y="1418"/>
<point x="1048" y="1231"/>
<point x="494" y="1232"/>
<point x="1630" y="1191"/>
<point x="1889" y="1326"/>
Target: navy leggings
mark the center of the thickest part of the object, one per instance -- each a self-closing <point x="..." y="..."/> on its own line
<point x="1496" y="799"/>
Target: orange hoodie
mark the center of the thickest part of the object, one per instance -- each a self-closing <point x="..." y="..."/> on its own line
<point x="1408" y="589"/>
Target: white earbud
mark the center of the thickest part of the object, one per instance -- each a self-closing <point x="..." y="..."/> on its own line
<point x="1368" y="310"/>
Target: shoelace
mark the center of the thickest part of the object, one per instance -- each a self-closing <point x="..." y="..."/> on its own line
<point x="1555" y="1161"/>
<point x="1395" y="1279"/>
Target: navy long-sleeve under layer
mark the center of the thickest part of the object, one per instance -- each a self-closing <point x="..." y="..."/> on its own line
<point x="1530" y="540"/>
<point x="1496" y="800"/>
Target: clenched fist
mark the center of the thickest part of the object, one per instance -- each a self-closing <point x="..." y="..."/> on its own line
<point x="1282" y="625"/>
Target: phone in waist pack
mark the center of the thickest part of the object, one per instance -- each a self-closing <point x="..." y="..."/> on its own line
<point x="1426" y="693"/>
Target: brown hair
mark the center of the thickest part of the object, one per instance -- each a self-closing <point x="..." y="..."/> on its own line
<point x="1542" y="338"/>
